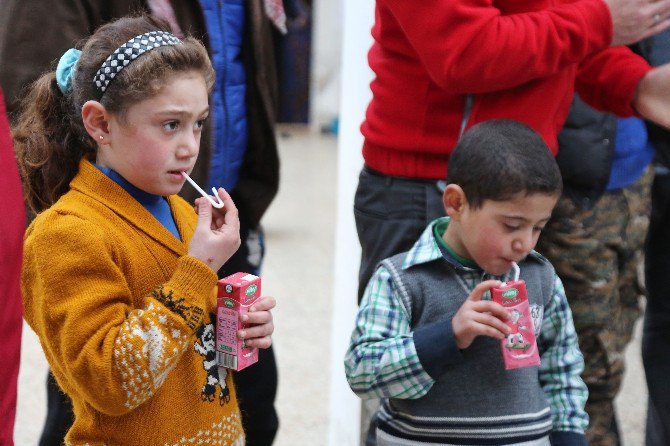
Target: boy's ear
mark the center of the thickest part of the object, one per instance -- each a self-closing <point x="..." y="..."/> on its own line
<point x="454" y="201"/>
<point x="96" y="121"/>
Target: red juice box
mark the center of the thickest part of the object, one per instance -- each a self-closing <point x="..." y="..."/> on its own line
<point x="236" y="294"/>
<point x="519" y="349"/>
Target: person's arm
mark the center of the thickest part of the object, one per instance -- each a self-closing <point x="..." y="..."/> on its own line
<point x="11" y="243"/>
<point x="559" y="374"/>
<point x="468" y="46"/>
<point x="623" y="83"/>
<point x="634" y="20"/>
<point x="79" y="303"/>
<point x="652" y="97"/>
<point x="385" y="357"/>
<point x="608" y="80"/>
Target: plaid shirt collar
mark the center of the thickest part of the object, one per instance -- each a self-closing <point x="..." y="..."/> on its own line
<point x="426" y="249"/>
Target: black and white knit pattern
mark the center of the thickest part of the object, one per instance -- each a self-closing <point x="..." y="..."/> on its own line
<point x="128" y="52"/>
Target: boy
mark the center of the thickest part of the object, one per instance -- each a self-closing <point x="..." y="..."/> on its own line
<point x="427" y="337"/>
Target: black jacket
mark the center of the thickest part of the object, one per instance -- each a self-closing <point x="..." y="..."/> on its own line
<point x="585" y="153"/>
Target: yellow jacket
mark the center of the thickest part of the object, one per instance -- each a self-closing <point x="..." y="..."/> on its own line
<point x="125" y="318"/>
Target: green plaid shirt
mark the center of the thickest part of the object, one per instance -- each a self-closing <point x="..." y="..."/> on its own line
<point x="382" y="359"/>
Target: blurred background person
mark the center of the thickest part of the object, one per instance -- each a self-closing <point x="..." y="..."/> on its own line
<point x="595" y="240"/>
<point x="656" y="329"/>
<point x="12" y="225"/>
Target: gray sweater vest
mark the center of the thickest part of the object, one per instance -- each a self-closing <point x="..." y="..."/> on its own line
<point x="476" y="398"/>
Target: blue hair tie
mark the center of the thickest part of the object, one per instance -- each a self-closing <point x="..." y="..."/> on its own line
<point x="65" y="69"/>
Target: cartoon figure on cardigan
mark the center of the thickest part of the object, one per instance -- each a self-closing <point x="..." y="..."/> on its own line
<point x="216" y="376"/>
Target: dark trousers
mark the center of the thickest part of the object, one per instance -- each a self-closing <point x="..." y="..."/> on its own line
<point x="656" y="332"/>
<point x="59" y="415"/>
<point x="391" y="213"/>
<point x="256" y="386"/>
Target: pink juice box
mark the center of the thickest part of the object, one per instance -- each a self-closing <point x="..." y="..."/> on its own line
<point x="519" y="349"/>
<point x="236" y="294"/>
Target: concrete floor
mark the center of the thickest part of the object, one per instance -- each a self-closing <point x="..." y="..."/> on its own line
<point x="298" y="272"/>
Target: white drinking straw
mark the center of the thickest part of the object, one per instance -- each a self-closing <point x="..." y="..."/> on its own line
<point x="218" y="203"/>
<point x="517" y="271"/>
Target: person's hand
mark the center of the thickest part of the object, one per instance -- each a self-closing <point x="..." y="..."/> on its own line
<point x="217" y="233"/>
<point x="259" y="329"/>
<point x="634" y="20"/>
<point x="478" y="317"/>
<point x="652" y="97"/>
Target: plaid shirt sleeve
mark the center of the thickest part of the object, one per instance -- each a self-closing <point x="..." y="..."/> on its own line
<point x="561" y="364"/>
<point x="382" y="361"/>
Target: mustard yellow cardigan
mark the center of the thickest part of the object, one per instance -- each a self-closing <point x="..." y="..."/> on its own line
<point x="125" y="318"/>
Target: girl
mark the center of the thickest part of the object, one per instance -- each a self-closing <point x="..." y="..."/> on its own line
<point x="119" y="274"/>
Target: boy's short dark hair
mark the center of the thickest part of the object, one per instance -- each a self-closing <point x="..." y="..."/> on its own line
<point x="498" y="159"/>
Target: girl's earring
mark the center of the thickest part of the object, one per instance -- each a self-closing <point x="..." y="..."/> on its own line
<point x="101" y="137"/>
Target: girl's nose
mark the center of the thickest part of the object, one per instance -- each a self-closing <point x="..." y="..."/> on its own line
<point x="189" y="146"/>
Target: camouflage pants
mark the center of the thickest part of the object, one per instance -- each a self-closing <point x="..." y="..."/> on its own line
<point x="597" y="254"/>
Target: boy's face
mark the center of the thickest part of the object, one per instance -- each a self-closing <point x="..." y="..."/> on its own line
<point x="499" y="232"/>
<point x="159" y="137"/>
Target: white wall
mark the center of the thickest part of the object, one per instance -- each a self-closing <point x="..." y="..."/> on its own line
<point x="356" y="76"/>
<point x="327" y="18"/>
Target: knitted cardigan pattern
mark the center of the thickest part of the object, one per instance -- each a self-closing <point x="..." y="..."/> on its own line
<point x="125" y="319"/>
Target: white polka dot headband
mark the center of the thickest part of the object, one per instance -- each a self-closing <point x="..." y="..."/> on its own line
<point x="128" y="52"/>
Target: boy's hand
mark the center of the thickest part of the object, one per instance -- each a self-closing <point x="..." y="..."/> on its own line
<point x="258" y="332"/>
<point x="217" y="233"/>
<point x="478" y="317"/>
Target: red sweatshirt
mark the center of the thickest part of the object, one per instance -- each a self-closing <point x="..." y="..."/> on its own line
<point x="430" y="55"/>
<point x="12" y="226"/>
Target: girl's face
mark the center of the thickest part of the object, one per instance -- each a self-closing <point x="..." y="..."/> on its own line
<point x="158" y="138"/>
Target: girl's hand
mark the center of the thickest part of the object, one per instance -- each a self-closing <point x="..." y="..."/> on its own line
<point x="217" y="233"/>
<point x="258" y="332"/>
<point x="478" y="317"/>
